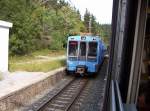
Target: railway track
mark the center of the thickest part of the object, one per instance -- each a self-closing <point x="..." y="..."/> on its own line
<point x="63" y="99"/>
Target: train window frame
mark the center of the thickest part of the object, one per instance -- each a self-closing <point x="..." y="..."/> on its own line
<point x="84" y="56"/>
<point x="92" y="58"/>
<point x="76" y="52"/>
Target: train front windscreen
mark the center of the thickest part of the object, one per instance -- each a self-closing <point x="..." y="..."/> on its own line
<point x="92" y="52"/>
<point x="73" y="50"/>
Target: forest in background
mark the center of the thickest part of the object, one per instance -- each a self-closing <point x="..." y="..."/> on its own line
<point x="42" y="24"/>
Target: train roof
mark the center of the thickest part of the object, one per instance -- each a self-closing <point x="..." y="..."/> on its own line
<point x="85" y="38"/>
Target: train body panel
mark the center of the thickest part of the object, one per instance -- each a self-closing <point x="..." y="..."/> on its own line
<point x="84" y="54"/>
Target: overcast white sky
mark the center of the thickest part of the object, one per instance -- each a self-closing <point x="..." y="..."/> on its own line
<point x="101" y="9"/>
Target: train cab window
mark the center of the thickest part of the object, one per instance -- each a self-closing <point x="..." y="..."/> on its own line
<point x="73" y="48"/>
<point x="82" y="51"/>
<point x="92" y="52"/>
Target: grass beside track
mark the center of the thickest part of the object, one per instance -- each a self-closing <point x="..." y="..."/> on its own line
<point x="33" y="56"/>
<point x="33" y="63"/>
<point x="37" y="67"/>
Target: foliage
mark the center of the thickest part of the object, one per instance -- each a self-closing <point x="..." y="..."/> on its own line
<point x="92" y="26"/>
<point x="105" y="32"/>
<point x="26" y="23"/>
<point x="38" y="25"/>
<point x="42" y="24"/>
<point x="87" y="20"/>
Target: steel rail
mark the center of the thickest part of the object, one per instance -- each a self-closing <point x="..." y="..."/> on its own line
<point x="79" y="89"/>
<point x="76" y="96"/>
<point x="46" y="102"/>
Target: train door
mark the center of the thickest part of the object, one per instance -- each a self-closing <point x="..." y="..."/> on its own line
<point x="82" y="53"/>
<point x="81" y="67"/>
<point x="143" y="99"/>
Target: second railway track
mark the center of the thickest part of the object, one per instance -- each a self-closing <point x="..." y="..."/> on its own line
<point x="63" y="99"/>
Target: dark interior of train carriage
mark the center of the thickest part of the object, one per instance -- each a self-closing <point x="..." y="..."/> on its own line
<point x="144" y="88"/>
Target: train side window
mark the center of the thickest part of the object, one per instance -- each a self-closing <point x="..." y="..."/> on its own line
<point x="73" y="48"/>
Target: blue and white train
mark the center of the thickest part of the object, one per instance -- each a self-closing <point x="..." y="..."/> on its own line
<point x="85" y="54"/>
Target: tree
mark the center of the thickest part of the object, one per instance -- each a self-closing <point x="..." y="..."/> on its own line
<point x="87" y="20"/>
<point x="46" y="24"/>
<point x="78" y="14"/>
<point x="93" y="24"/>
<point x="27" y="24"/>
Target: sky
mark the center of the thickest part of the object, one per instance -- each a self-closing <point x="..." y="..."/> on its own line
<point x="101" y="9"/>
